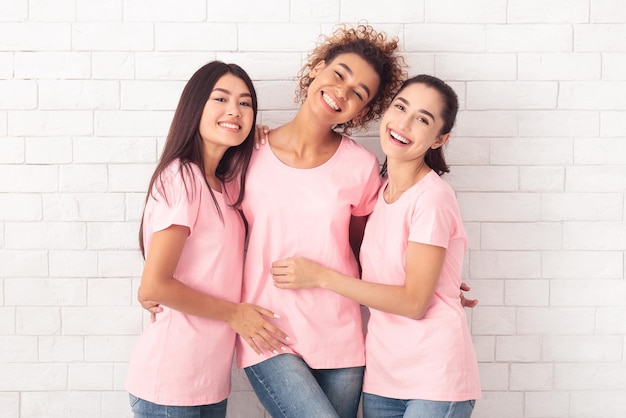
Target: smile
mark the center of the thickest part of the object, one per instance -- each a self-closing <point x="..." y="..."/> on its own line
<point x="330" y="102"/>
<point x="399" y="138"/>
<point x="229" y="125"/>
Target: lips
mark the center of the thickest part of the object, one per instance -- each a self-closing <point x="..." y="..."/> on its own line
<point x="229" y="125"/>
<point x="331" y="102"/>
<point x="399" y="138"/>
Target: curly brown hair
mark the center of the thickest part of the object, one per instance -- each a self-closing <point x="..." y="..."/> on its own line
<point x="373" y="47"/>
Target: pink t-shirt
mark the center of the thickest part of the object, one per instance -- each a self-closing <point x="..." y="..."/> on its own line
<point x="432" y="358"/>
<point x="185" y="360"/>
<point x="306" y="212"/>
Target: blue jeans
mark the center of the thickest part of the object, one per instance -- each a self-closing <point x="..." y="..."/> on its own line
<point x="288" y="388"/>
<point x="145" y="409"/>
<point x="375" y="406"/>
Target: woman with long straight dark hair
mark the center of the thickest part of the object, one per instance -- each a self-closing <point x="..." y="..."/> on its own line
<point x="192" y="236"/>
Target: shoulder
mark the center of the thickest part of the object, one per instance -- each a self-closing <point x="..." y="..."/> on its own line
<point x="177" y="177"/>
<point x="353" y="150"/>
<point x="351" y="145"/>
<point x="432" y="193"/>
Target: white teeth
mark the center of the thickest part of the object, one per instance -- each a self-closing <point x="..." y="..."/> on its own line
<point x="399" y="138"/>
<point x="330" y="102"/>
<point x="229" y="125"/>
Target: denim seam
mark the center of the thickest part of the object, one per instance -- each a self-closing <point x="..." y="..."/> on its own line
<point x="269" y="392"/>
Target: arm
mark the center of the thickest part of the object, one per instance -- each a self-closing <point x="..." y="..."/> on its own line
<point x="423" y="266"/>
<point x="259" y="135"/>
<point x="356" y="231"/>
<point x="159" y="285"/>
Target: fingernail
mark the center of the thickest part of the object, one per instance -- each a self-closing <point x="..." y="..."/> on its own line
<point x="276" y="315"/>
<point x="283" y="348"/>
<point x="287" y="338"/>
<point x="275" y="351"/>
<point x="263" y="141"/>
<point x="256" y="145"/>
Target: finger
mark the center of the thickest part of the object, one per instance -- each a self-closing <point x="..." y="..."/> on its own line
<point x="153" y="317"/>
<point x="279" y="278"/>
<point x="267" y="312"/>
<point x="280" y="263"/>
<point x="284" y="285"/>
<point x="252" y="344"/>
<point x="276" y="331"/>
<point x="465" y="287"/>
<point x="279" y="271"/>
<point x="261" y="341"/>
<point x="269" y="342"/>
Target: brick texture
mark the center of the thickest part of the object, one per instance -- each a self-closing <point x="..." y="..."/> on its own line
<point x="87" y="92"/>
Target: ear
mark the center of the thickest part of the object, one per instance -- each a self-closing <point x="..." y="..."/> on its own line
<point x="317" y="68"/>
<point x="440" y="142"/>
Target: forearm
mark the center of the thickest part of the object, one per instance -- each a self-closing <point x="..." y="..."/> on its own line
<point x="245" y="319"/>
<point x="393" y="299"/>
<point x="176" y="295"/>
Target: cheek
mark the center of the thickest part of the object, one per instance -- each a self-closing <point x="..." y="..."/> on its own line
<point x="247" y="120"/>
<point x="202" y="127"/>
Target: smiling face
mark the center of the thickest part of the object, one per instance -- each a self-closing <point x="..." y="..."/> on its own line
<point x="228" y="116"/>
<point x="412" y="124"/>
<point x="341" y="88"/>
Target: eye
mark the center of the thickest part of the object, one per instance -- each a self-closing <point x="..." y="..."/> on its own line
<point x="339" y="75"/>
<point x="423" y="120"/>
<point x="358" y="94"/>
<point x="245" y="104"/>
<point x="399" y="107"/>
<point x="219" y="99"/>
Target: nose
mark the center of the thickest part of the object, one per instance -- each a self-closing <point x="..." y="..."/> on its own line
<point x="233" y="109"/>
<point x="340" y="92"/>
<point x="405" y="122"/>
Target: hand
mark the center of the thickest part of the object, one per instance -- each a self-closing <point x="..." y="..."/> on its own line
<point x="467" y="303"/>
<point x="259" y="135"/>
<point x="296" y="273"/>
<point x="247" y="321"/>
<point x="149" y="305"/>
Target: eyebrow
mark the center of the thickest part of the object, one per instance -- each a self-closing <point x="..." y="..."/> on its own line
<point x="228" y="92"/>
<point x="424" y="111"/>
<point x="349" y="71"/>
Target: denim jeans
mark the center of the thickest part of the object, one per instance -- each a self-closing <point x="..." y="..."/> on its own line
<point x="288" y="388"/>
<point x="375" y="406"/>
<point x="145" y="409"/>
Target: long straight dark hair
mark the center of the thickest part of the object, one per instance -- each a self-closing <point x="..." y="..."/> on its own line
<point x="435" y="158"/>
<point x="184" y="142"/>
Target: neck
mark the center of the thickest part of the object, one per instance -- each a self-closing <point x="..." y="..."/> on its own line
<point x="211" y="161"/>
<point x="402" y="175"/>
<point x="310" y="128"/>
<point x="303" y="135"/>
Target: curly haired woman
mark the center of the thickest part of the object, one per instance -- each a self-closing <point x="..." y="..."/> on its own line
<point x="308" y="193"/>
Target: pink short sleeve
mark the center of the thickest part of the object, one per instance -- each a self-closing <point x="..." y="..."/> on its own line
<point x="370" y="192"/>
<point x="432" y="220"/>
<point x="174" y="202"/>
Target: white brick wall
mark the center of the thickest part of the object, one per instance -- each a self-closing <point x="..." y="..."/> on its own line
<point x="87" y="91"/>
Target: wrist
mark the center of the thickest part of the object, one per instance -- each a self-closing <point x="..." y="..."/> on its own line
<point x="324" y="277"/>
<point x="230" y="312"/>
